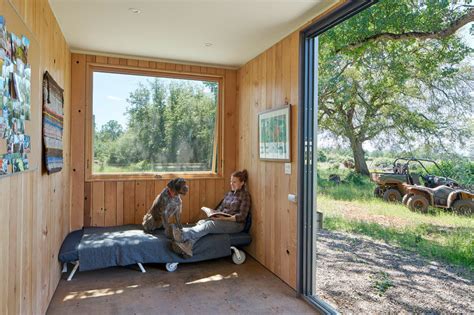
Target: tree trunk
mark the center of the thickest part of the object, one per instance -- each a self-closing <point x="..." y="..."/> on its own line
<point x="359" y="157"/>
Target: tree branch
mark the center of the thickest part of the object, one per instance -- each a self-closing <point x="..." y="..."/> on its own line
<point x="450" y="30"/>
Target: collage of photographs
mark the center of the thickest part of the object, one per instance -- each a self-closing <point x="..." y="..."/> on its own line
<point x="15" y="87"/>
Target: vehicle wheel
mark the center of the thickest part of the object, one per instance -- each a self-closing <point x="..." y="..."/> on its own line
<point x="238" y="260"/>
<point x="392" y="195"/>
<point x="405" y="199"/>
<point x="465" y="207"/>
<point x="378" y="192"/>
<point x="171" y="267"/>
<point x="418" y="203"/>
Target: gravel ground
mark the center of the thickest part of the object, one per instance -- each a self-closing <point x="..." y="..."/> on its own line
<point x="359" y="275"/>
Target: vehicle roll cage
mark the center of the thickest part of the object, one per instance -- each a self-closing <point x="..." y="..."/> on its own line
<point x="408" y="160"/>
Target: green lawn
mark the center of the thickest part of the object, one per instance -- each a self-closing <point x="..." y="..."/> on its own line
<point x="351" y="207"/>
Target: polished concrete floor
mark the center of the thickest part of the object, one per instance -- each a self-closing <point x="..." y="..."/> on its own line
<point x="212" y="287"/>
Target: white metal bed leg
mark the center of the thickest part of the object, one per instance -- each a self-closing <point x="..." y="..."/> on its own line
<point x="64" y="268"/>
<point x="236" y="252"/>
<point x="76" y="265"/>
<point x="141" y="267"/>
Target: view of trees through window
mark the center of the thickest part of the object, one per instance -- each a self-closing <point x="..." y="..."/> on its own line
<point x="153" y="124"/>
<point x="397" y="80"/>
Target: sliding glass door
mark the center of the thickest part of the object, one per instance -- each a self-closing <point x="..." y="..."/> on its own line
<point x="308" y="125"/>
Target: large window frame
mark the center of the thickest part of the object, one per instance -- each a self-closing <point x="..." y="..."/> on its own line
<point x="307" y="146"/>
<point x="218" y="151"/>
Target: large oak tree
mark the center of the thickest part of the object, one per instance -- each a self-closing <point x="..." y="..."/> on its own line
<point x="396" y="73"/>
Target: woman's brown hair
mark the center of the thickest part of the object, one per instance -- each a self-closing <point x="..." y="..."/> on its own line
<point x="242" y="175"/>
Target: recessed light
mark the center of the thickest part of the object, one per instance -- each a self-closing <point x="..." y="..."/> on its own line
<point x="134" y="10"/>
<point x="208" y="44"/>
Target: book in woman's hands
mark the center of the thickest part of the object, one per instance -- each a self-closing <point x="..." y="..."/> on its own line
<point x="213" y="213"/>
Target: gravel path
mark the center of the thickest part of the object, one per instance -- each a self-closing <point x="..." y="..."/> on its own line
<point x="359" y="275"/>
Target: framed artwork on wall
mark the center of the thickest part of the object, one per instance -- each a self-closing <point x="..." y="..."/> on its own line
<point x="274" y="134"/>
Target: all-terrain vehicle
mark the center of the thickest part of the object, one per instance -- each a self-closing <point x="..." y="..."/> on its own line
<point x="459" y="200"/>
<point x="392" y="186"/>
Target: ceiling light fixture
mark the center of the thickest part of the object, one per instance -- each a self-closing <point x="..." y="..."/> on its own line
<point x="134" y="10"/>
<point x="208" y="44"/>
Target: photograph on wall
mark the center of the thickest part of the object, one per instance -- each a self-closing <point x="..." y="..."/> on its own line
<point x="4" y="164"/>
<point x="15" y="96"/>
<point x="274" y="134"/>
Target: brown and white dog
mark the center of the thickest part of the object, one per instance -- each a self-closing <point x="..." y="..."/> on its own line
<point x="166" y="205"/>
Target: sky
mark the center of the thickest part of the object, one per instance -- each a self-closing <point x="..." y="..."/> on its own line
<point x="110" y="93"/>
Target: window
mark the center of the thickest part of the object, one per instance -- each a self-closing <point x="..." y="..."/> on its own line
<point x="152" y="124"/>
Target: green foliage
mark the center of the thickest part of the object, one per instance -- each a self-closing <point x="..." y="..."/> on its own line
<point x="461" y="170"/>
<point x="351" y="207"/>
<point x="382" y="282"/>
<point x="353" y="187"/>
<point x="395" y="90"/>
<point x="455" y="245"/>
<point x="168" y="122"/>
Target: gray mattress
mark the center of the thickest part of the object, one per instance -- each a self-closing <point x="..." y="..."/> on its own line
<point x="102" y="247"/>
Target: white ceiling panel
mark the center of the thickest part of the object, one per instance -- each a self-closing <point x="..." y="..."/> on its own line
<point x="235" y="31"/>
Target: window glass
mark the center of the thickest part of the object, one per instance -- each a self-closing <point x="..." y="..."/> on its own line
<point x="153" y="124"/>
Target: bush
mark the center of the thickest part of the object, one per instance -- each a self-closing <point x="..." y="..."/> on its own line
<point x="460" y="170"/>
<point x="355" y="178"/>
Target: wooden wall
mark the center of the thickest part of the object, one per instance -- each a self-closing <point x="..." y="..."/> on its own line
<point x="34" y="207"/>
<point x="115" y="202"/>
<point x="269" y="81"/>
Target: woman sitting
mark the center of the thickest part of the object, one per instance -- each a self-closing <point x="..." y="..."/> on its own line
<point x="235" y="203"/>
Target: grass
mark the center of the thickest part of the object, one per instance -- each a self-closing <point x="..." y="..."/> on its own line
<point x="382" y="282"/>
<point x="455" y="246"/>
<point x="351" y="207"/>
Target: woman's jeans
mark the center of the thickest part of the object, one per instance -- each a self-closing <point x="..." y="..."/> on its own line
<point x="208" y="226"/>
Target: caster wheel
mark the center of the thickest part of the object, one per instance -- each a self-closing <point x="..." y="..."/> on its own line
<point x="171" y="267"/>
<point x="238" y="257"/>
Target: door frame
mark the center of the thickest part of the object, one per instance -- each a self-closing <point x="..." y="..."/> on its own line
<point x="307" y="132"/>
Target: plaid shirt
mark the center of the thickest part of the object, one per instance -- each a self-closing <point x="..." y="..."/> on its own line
<point x="236" y="203"/>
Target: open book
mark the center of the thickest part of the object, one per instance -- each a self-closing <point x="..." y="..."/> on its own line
<point x="212" y="213"/>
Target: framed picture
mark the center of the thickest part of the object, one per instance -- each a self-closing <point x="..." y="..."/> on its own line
<point x="274" y="134"/>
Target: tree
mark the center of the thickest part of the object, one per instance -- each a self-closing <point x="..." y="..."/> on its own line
<point x="111" y="131"/>
<point x="395" y="73"/>
<point x="171" y="119"/>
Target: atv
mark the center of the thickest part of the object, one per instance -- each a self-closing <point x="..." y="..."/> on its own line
<point x="451" y="196"/>
<point x="391" y="186"/>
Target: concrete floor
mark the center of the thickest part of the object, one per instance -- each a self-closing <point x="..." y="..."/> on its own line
<point x="211" y="287"/>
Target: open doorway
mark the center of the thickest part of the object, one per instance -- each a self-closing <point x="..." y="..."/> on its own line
<point x="387" y="245"/>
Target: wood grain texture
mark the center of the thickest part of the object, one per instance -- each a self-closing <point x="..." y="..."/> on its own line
<point x="35" y="207"/>
<point x="269" y="81"/>
<point x="133" y="196"/>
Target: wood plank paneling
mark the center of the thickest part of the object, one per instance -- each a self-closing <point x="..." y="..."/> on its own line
<point x="119" y="203"/>
<point x="5" y="194"/>
<point x="78" y="64"/>
<point x="140" y="200"/>
<point x="87" y="204"/>
<point x="129" y="202"/>
<point x="98" y="204"/>
<point x="269" y="81"/>
<point x="35" y="207"/>
<point x="110" y="207"/>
